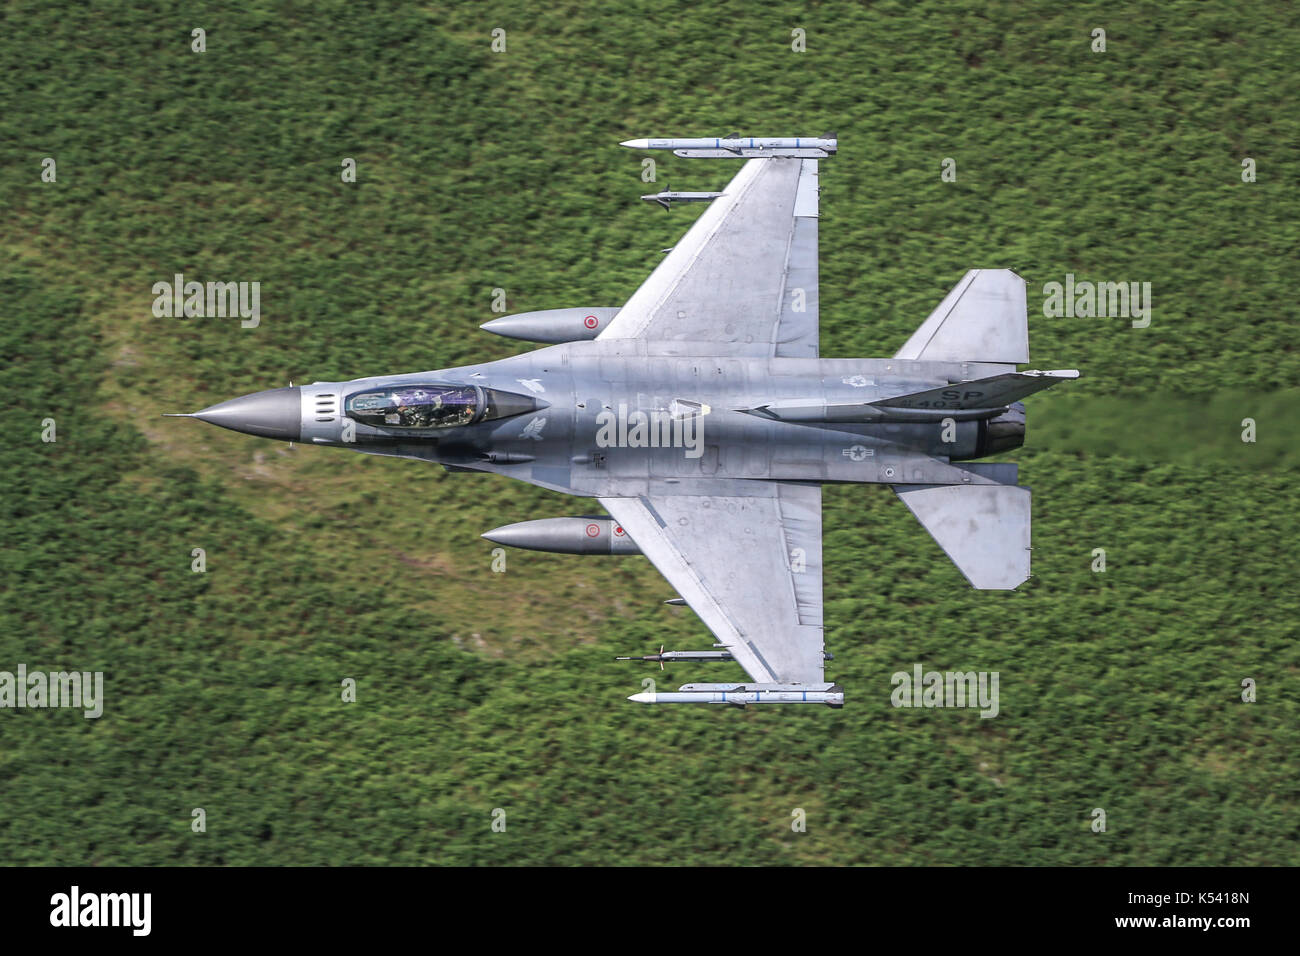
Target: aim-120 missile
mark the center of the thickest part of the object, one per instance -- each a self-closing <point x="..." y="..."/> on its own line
<point x="667" y="197"/>
<point x="742" y="147"/>
<point x="590" y="534"/>
<point x="741" y="695"/>
<point x="553" y="326"/>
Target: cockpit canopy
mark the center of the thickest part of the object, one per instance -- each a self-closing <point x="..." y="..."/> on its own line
<point x="415" y="406"/>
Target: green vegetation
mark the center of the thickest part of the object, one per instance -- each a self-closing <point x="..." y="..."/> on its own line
<point x="475" y="690"/>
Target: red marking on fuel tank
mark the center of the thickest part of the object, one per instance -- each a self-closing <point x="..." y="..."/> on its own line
<point x="593" y="530"/>
<point x="591" y="321"/>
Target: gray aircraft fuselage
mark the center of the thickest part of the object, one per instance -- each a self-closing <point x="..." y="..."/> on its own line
<point x="572" y="391"/>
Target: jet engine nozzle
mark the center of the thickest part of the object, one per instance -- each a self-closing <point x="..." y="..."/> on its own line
<point x="1003" y="433"/>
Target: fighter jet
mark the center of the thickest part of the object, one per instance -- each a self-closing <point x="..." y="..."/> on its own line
<point x="703" y="420"/>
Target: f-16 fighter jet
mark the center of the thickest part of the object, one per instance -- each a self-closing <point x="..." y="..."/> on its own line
<point x="702" y="418"/>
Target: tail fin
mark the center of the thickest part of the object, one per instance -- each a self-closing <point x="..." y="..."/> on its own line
<point x="983" y="528"/>
<point x="983" y="319"/>
<point x="992" y="392"/>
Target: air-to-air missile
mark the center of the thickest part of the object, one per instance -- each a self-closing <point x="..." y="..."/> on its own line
<point x="742" y="147"/>
<point x="594" y="534"/>
<point x="553" y="326"/>
<point x="668" y="657"/>
<point x="667" y="197"/>
<point x="740" y="695"/>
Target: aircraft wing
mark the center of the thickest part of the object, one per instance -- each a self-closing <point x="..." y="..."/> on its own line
<point x="750" y="567"/>
<point x="744" y="277"/>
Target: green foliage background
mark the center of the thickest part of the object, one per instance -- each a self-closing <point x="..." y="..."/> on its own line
<point x="477" y="691"/>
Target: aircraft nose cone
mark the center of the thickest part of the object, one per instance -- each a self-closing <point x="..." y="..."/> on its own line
<point x="275" y="413"/>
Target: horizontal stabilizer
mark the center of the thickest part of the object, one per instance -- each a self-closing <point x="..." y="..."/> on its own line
<point x="994" y="392"/>
<point x="984" y="529"/>
<point x="983" y="319"/>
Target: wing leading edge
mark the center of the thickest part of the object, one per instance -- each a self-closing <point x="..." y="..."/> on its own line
<point x="744" y="277"/>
